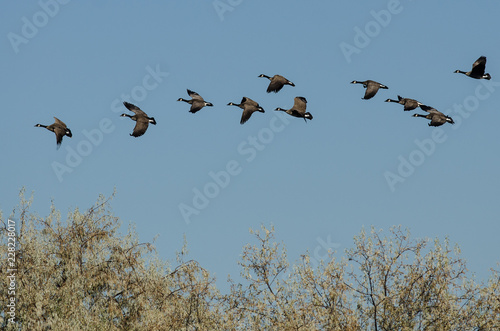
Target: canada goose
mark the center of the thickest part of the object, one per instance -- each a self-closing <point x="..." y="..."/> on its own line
<point x="409" y="104"/>
<point x="298" y="109"/>
<point x="277" y="83"/>
<point x="477" y="70"/>
<point x="249" y="107"/>
<point x="59" y="128"/>
<point x="196" y="101"/>
<point x="141" y="118"/>
<point x="437" y="118"/>
<point x="371" y="88"/>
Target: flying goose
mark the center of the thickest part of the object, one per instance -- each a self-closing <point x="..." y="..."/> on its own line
<point x="141" y="118"/>
<point x="277" y="83"/>
<point x="437" y="118"/>
<point x="298" y="109"/>
<point x="59" y="128"/>
<point x="371" y="88"/>
<point x="196" y="101"/>
<point x="409" y="104"/>
<point x="249" y="107"/>
<point x="477" y="70"/>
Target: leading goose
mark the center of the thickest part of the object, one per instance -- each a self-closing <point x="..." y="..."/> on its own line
<point x="371" y="88"/>
<point x="249" y="107"/>
<point x="298" y="109"/>
<point x="59" y="128"/>
<point x="141" y="118"/>
<point x="277" y="83"/>
<point x="477" y="70"/>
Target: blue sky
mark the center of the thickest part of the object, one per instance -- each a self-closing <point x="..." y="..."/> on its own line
<point x="358" y="163"/>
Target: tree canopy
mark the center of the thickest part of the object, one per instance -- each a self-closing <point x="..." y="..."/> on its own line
<point x="80" y="273"/>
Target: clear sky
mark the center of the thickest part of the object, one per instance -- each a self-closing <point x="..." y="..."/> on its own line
<point x="358" y="163"/>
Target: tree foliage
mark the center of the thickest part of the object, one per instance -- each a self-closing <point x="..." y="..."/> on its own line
<point x="82" y="274"/>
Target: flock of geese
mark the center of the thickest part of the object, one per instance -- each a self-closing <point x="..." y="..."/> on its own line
<point x="277" y="82"/>
<point x="436" y="117"/>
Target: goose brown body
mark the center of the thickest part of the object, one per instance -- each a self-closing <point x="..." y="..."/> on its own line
<point x="277" y="83"/>
<point x="437" y="118"/>
<point x="141" y="119"/>
<point x="196" y="102"/>
<point x="477" y="71"/>
<point x="409" y="104"/>
<point x="249" y="107"/>
<point x="59" y="128"/>
<point x="298" y="109"/>
<point x="371" y="86"/>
